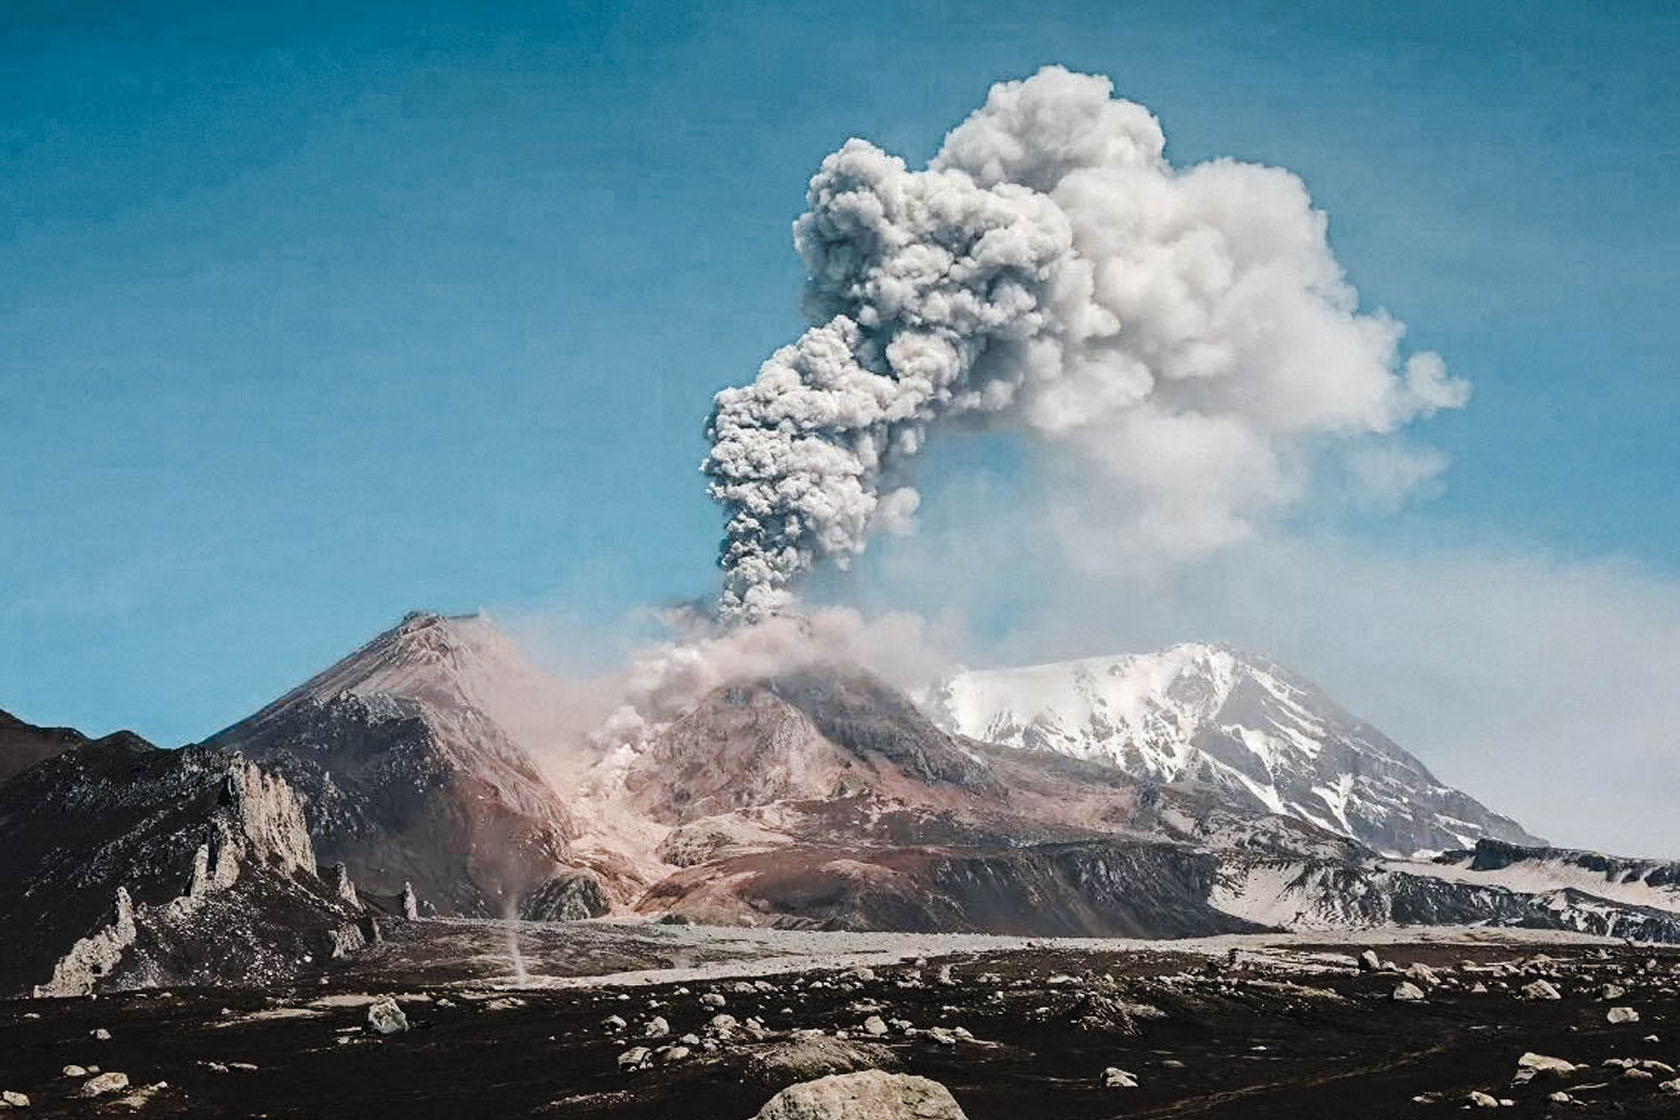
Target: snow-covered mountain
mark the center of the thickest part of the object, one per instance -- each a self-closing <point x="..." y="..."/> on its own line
<point x="1211" y="715"/>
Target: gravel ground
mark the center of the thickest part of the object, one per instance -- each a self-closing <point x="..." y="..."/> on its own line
<point x="1250" y="1027"/>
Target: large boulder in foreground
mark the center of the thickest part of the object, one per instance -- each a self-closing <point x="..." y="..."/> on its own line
<point x="810" y="1055"/>
<point x="868" y="1095"/>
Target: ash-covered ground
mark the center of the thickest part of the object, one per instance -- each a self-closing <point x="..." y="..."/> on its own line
<point x="652" y="1021"/>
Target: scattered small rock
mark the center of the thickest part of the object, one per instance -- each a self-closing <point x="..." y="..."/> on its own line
<point x="142" y="1096"/>
<point x="1532" y="1065"/>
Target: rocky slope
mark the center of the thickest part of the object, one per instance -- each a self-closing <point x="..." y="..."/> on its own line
<point x="1206" y="714"/>
<point x="408" y="767"/>
<point x="825" y="800"/>
<point x="124" y="865"/>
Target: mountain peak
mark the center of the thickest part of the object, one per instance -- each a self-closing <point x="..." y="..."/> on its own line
<point x="448" y="661"/>
<point x="1207" y="713"/>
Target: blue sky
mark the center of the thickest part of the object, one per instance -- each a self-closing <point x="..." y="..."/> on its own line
<point x="308" y="320"/>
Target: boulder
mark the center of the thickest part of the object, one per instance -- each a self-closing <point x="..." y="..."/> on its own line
<point x="1620" y="1015"/>
<point x="1541" y="989"/>
<point x="1116" y="1078"/>
<point x="102" y="1083"/>
<point x="385" y="1017"/>
<point x="1408" y="992"/>
<point x="1532" y="1065"/>
<point x="868" y="1095"/>
<point x="805" y="1057"/>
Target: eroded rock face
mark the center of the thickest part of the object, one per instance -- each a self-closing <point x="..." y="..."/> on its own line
<point x="1093" y="888"/>
<point x="868" y="1095"/>
<point x="123" y="864"/>
<point x="570" y="896"/>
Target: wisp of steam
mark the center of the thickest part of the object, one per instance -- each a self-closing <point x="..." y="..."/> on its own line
<point x="510" y="924"/>
<point x="1186" y="333"/>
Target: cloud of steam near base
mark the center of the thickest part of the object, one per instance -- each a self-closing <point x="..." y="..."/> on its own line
<point x="1186" y="333"/>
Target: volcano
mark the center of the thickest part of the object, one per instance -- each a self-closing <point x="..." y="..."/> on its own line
<point x="435" y="772"/>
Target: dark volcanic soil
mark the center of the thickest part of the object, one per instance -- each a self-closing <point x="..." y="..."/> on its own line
<point x="1297" y="1033"/>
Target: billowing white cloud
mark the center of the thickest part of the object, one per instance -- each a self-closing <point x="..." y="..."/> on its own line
<point x="1185" y="334"/>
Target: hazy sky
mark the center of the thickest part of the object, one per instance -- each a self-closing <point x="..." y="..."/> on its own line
<point x="308" y="319"/>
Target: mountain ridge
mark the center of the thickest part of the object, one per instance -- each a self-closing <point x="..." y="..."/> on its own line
<point x="1212" y="714"/>
<point x="821" y="797"/>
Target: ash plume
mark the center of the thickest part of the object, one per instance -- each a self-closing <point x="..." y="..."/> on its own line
<point x="1185" y="334"/>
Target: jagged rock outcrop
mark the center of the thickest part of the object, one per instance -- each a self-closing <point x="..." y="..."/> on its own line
<point x="123" y="865"/>
<point x="568" y="897"/>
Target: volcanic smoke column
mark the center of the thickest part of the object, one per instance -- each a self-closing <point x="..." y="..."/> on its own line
<point x="1185" y="333"/>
